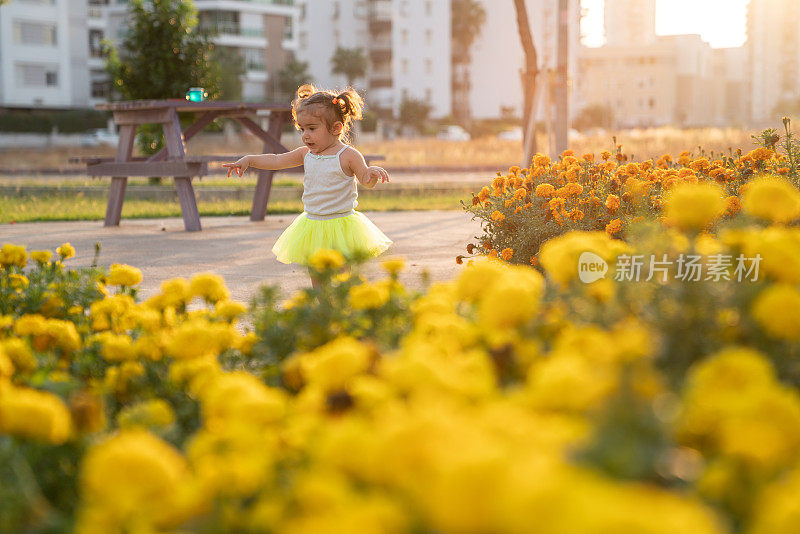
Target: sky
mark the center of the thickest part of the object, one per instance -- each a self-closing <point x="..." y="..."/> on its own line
<point x="719" y="22"/>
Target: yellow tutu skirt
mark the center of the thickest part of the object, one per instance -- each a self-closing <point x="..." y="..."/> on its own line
<point x="352" y="234"/>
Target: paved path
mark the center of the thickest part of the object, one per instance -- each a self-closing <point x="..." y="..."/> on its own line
<point x="241" y="251"/>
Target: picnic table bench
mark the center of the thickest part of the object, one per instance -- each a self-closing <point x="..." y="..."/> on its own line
<point x="172" y="160"/>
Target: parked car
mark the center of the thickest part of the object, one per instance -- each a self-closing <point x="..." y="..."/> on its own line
<point x="514" y="134"/>
<point x="453" y="133"/>
<point x="99" y="137"/>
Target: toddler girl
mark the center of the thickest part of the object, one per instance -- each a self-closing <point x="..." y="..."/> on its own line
<point x="330" y="193"/>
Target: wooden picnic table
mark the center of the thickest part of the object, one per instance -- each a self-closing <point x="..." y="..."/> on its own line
<point x="172" y="160"/>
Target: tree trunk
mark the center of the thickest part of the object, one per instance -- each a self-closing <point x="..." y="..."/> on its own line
<point x="529" y="76"/>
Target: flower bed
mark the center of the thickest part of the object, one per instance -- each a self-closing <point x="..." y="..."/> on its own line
<point x="522" y="209"/>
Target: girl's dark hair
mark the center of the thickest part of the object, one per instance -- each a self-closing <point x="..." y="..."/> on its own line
<point x="344" y="107"/>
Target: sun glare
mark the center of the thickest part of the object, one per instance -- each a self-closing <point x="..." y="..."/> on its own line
<point x="721" y="23"/>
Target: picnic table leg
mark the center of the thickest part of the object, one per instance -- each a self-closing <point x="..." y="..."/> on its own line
<point x="183" y="184"/>
<point x="116" y="193"/>
<point x="277" y="119"/>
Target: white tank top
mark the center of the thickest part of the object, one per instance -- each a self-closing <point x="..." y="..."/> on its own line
<point x="327" y="190"/>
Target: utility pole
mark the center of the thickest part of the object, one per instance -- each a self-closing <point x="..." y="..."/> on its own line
<point x="562" y="52"/>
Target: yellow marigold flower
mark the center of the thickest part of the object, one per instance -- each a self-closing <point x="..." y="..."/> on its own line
<point x="507" y="253"/>
<point x="333" y="365"/>
<point x="32" y="414"/>
<point x="29" y="324"/>
<point x="694" y="206"/>
<point x="146" y="414"/>
<point x="198" y="337"/>
<point x="367" y="296"/>
<point x="326" y="259"/>
<point x="124" y="275"/>
<point x="613" y="227"/>
<point x="545" y="190"/>
<point x="498" y="216"/>
<point x="131" y="481"/>
<point x="62" y="334"/>
<point x="476" y="279"/>
<point x="512" y="299"/>
<point x="41" y="256"/>
<point x="18" y="281"/>
<point x="777" y="310"/>
<point x="393" y="266"/>
<point x="209" y="286"/>
<point x="772" y="198"/>
<point x="20" y="354"/>
<point x="88" y="413"/>
<point x="559" y="256"/>
<point x="65" y="251"/>
<point x="15" y="255"/>
<point x="175" y="292"/>
<point x="229" y="309"/>
<point x="6" y="366"/>
<point x="115" y="347"/>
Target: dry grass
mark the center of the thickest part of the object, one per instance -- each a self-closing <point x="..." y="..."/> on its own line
<point x="640" y="144"/>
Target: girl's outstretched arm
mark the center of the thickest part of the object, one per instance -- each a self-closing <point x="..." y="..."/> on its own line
<point x="293" y="158"/>
<point x="367" y="176"/>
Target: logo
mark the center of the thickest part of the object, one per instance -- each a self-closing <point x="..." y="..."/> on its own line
<point x="591" y="267"/>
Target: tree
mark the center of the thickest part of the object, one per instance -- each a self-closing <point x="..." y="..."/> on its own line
<point x="162" y="56"/>
<point x="595" y="116"/>
<point x="529" y="76"/>
<point x="467" y="19"/>
<point x="414" y="113"/>
<point x="231" y="65"/>
<point x="350" y="63"/>
<point x="293" y="75"/>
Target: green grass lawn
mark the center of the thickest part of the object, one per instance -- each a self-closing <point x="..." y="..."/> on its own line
<point x="80" y="208"/>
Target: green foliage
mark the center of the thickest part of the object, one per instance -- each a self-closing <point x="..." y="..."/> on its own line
<point x="468" y="19"/>
<point x="350" y="63"/>
<point x="594" y="116"/>
<point x="232" y="69"/>
<point x="43" y="121"/>
<point x="414" y="113"/>
<point x="315" y="316"/>
<point x="293" y="75"/>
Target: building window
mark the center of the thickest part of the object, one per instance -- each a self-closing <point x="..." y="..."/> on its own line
<point x="95" y="43"/>
<point x="288" y="28"/>
<point x="253" y="59"/>
<point x="429" y="37"/>
<point x="428" y="94"/>
<point x="34" y="33"/>
<point x="404" y="66"/>
<point x="405" y="93"/>
<point x="428" y="8"/>
<point x="404" y="8"/>
<point x="404" y="37"/>
<point x="652" y="103"/>
<point x="428" y="66"/>
<point x="33" y="75"/>
<point x="335" y="10"/>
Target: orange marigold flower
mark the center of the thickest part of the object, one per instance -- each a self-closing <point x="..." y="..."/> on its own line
<point x="520" y="193"/>
<point x="613" y="227"/>
<point x="588" y="157"/>
<point x="545" y="190"/>
<point x="470" y="248"/>
<point x="699" y="165"/>
<point x="493" y="253"/>
<point x="683" y="173"/>
<point x="534" y="261"/>
<point x="459" y="259"/>
<point x="575" y="214"/>
<point x="499" y="182"/>
<point x="541" y="160"/>
<point x="507" y="254"/>
<point x="733" y="205"/>
<point x="484" y="194"/>
<point x="605" y="155"/>
<point x="568" y="152"/>
<point x="783" y="170"/>
<point x="761" y="153"/>
<point x="684" y="159"/>
<point x="627" y="196"/>
<point x="612" y="203"/>
<point x="513" y="170"/>
<point x="509" y="202"/>
<point x="475" y="201"/>
<point x="498" y="216"/>
<point x="621" y="157"/>
<point x="610" y="166"/>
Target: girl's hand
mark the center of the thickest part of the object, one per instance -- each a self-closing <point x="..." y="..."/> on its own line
<point x="375" y="173"/>
<point x="239" y="166"/>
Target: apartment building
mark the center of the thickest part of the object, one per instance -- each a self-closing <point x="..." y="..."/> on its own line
<point x="44" y="54"/>
<point x="630" y="21"/>
<point x="773" y="57"/>
<point x="407" y="42"/>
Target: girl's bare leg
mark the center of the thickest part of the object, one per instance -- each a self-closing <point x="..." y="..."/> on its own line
<point x="314" y="280"/>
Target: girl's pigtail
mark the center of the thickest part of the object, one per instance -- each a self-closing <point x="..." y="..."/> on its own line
<point x="350" y="104"/>
<point x="304" y="91"/>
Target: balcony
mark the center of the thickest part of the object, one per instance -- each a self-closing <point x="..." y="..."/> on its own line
<point x="234" y="29"/>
